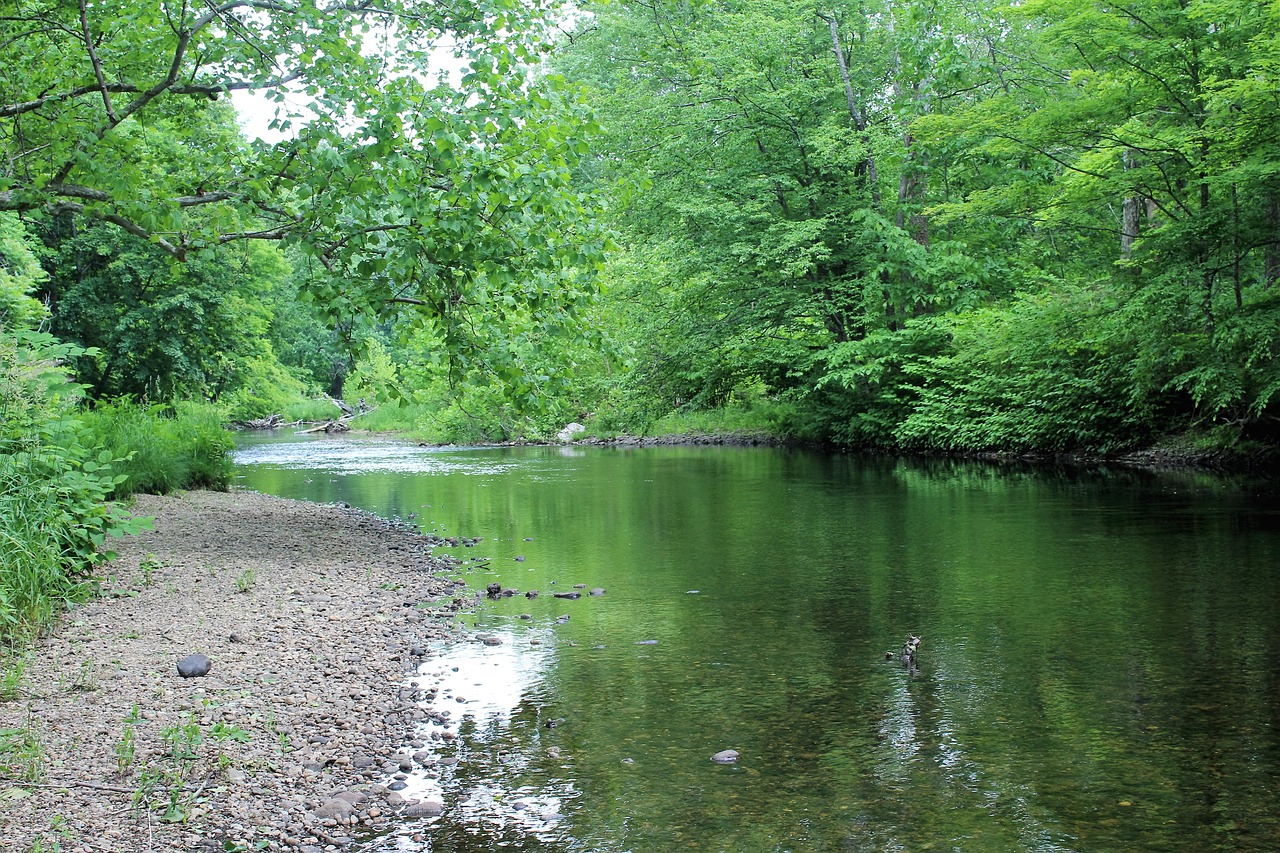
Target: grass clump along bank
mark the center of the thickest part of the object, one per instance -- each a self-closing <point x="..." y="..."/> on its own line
<point x="65" y="471"/>
<point x="163" y="448"/>
<point x="56" y="511"/>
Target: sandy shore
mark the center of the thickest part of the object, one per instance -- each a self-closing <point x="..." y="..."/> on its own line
<point x="312" y="616"/>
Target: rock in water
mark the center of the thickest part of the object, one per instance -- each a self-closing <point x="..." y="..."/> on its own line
<point x="194" y="666"/>
<point x="725" y="756"/>
<point x="426" y="808"/>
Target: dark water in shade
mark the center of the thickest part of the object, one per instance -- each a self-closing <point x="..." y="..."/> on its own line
<point x="1100" y="668"/>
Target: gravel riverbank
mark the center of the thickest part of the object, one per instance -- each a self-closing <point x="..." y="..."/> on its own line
<point x="312" y="616"/>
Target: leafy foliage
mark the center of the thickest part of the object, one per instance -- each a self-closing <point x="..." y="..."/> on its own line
<point x="55" y="513"/>
<point x="20" y="273"/>
<point x="1083" y="247"/>
<point x="449" y="207"/>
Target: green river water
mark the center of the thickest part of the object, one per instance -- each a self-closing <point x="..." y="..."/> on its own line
<point x="1099" y="668"/>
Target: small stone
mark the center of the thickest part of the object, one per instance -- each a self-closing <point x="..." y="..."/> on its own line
<point x="725" y="756"/>
<point x="533" y="593"/>
<point x="398" y="785"/>
<point x="194" y="666"/>
<point x="596" y="591"/>
<point x="570" y="595"/>
<point x="579" y="586"/>
<point x="492" y="641"/>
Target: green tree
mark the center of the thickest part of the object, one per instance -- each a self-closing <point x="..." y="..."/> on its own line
<point x="1139" y="132"/>
<point x="773" y="198"/>
<point x="411" y="194"/>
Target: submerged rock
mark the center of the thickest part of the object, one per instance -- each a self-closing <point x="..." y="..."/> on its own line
<point x="725" y="756"/>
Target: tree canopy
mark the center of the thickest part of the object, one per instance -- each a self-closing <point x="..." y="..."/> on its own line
<point x="454" y="201"/>
<point x="1033" y="225"/>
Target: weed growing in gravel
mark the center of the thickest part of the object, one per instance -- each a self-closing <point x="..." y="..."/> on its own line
<point x="282" y="738"/>
<point x="22" y="755"/>
<point x="125" y="748"/>
<point x="51" y="841"/>
<point x="13" y="675"/>
<point x="148" y="567"/>
<point x="221" y="733"/>
<point x="182" y="738"/>
<point x="245" y="580"/>
<point x="165" y="785"/>
<point x="86" y="678"/>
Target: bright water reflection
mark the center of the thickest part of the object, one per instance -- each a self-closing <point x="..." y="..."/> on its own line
<point x="1101" y="668"/>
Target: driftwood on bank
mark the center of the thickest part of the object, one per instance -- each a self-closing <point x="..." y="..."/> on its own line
<point x="343" y="423"/>
<point x="269" y="422"/>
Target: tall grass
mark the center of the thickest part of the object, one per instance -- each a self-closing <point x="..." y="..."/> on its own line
<point x="757" y="417"/>
<point x="163" y="448"/>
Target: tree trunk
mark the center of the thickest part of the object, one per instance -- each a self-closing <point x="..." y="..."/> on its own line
<point x="1130" y="215"/>
<point x="1271" y="253"/>
<point x="868" y="166"/>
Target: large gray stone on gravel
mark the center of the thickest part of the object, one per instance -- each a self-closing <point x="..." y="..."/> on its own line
<point x="335" y="809"/>
<point x="194" y="666"/>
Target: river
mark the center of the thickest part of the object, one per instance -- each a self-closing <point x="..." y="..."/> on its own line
<point x="1099" y="667"/>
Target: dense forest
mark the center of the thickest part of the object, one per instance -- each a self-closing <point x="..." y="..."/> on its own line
<point x="1038" y="226"/>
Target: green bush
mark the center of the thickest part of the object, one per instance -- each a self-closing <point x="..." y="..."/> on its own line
<point x="1042" y="373"/>
<point x="55" y="485"/>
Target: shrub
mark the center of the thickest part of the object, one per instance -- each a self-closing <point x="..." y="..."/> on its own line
<point x="55" y="485"/>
